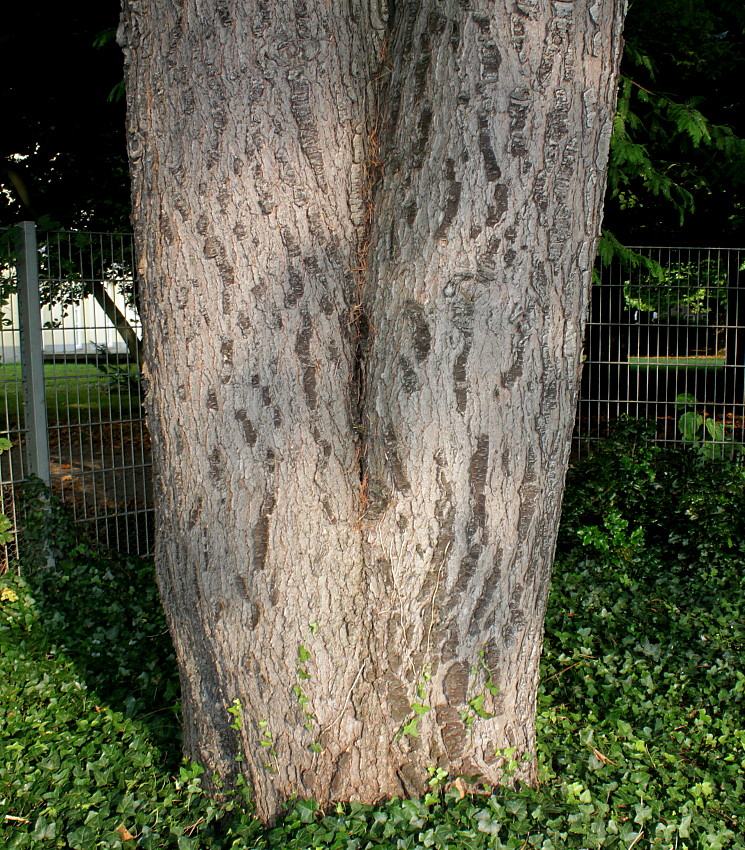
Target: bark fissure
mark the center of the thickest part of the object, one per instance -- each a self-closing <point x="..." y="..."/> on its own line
<point x="365" y="235"/>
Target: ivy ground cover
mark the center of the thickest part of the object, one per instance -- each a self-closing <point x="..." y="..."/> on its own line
<point x="641" y="712"/>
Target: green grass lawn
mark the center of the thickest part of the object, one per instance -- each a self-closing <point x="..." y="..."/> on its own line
<point x="641" y="709"/>
<point x="678" y="362"/>
<point x="81" y="393"/>
<point x="75" y="393"/>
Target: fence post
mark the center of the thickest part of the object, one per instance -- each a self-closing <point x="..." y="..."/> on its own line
<point x="32" y="355"/>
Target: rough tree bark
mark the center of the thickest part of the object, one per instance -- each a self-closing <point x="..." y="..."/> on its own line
<point x="365" y="238"/>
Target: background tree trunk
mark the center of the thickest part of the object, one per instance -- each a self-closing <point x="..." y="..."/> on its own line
<point x="118" y="319"/>
<point x="365" y="251"/>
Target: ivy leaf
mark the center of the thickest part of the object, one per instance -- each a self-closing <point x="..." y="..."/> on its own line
<point x="715" y="429"/>
<point x="302" y="654"/>
<point x="125" y="834"/>
<point x="477" y="706"/>
<point x="689" y="423"/>
<point x="410" y="728"/>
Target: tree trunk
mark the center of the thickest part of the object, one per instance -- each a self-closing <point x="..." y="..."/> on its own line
<point x="365" y="246"/>
<point x="119" y="320"/>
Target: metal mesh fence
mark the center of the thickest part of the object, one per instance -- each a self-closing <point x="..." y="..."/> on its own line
<point x="665" y="341"/>
<point x="13" y="466"/>
<point x="98" y="448"/>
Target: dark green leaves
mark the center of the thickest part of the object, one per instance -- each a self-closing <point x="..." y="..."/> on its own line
<point x="640" y="713"/>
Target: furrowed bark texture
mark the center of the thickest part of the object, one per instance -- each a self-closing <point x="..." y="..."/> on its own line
<point x="498" y="122"/>
<point x="365" y="243"/>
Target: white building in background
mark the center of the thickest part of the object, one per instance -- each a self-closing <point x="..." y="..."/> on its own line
<point x="78" y="329"/>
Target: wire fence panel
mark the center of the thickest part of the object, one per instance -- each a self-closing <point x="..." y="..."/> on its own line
<point x="13" y="466"/>
<point x="99" y="450"/>
<point x="665" y="341"/>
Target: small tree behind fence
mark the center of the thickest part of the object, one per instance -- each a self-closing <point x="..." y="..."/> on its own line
<point x="665" y="341"/>
<point x="70" y="380"/>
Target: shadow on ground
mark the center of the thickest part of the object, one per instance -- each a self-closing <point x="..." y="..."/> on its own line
<point x="103" y="611"/>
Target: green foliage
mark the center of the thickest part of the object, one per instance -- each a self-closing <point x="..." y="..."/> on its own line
<point x="677" y="152"/>
<point x="89" y="729"/>
<point x="630" y="164"/>
<point x="640" y="712"/>
<point x="104" y="610"/>
<point x="66" y="144"/>
<point x="653" y="686"/>
<point x="236" y="709"/>
<point x="664" y="124"/>
<point x="6" y="526"/>
<point x="669" y="510"/>
<point x="310" y="721"/>
<point x="680" y="291"/>
<point x="704" y="433"/>
<point x="610" y="248"/>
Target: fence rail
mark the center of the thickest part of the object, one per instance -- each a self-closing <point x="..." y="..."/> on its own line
<point x="665" y="341"/>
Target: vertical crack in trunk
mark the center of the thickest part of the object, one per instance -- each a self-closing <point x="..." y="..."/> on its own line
<point x="370" y="177"/>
